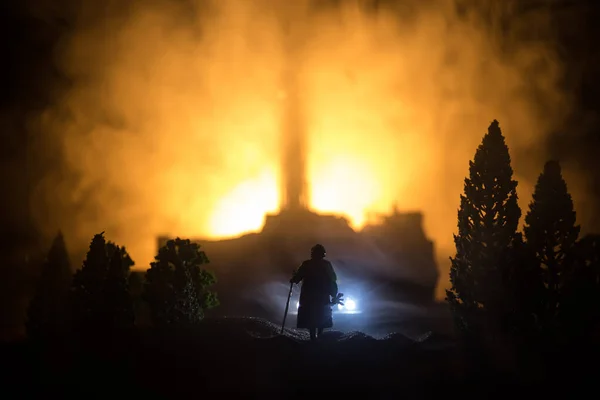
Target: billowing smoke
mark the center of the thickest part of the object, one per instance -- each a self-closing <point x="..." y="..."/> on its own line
<point x="173" y="119"/>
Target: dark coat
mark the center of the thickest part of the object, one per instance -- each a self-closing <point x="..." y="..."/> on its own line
<point x="319" y="283"/>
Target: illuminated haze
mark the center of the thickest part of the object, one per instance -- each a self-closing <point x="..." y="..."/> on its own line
<point x="173" y="122"/>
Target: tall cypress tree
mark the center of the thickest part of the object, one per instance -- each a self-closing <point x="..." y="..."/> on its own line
<point x="551" y="233"/>
<point x="87" y="289"/>
<point x="487" y="222"/>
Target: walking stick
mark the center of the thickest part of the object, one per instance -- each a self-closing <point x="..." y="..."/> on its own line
<point x="287" y="307"/>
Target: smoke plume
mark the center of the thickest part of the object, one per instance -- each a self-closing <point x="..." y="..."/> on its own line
<point x="173" y="120"/>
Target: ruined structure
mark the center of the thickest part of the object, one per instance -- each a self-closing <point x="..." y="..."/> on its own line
<point x="393" y="258"/>
<point x="392" y="255"/>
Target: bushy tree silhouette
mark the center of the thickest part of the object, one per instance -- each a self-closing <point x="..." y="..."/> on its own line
<point x="551" y="234"/>
<point x="140" y="307"/>
<point x="118" y="304"/>
<point x="111" y="248"/>
<point x="176" y="287"/>
<point x="186" y="310"/>
<point x="487" y="222"/>
<point x="47" y="316"/>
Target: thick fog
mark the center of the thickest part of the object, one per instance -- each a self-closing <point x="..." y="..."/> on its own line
<point x="173" y="120"/>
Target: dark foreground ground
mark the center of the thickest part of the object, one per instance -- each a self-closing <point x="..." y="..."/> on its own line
<point x="248" y="356"/>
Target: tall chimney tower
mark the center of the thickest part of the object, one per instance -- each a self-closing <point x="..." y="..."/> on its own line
<point x="294" y="191"/>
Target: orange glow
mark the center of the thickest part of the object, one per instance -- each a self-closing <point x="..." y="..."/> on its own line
<point x="243" y="209"/>
<point x="347" y="186"/>
<point x="172" y="123"/>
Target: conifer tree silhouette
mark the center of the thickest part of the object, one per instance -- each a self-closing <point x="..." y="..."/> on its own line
<point x="47" y="316"/>
<point x="100" y="298"/>
<point x="87" y="290"/>
<point x="551" y="233"/>
<point x="487" y="222"/>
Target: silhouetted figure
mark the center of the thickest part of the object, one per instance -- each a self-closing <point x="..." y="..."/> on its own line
<point x="319" y="283"/>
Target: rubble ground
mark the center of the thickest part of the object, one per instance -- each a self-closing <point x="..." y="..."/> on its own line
<point x="244" y="356"/>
